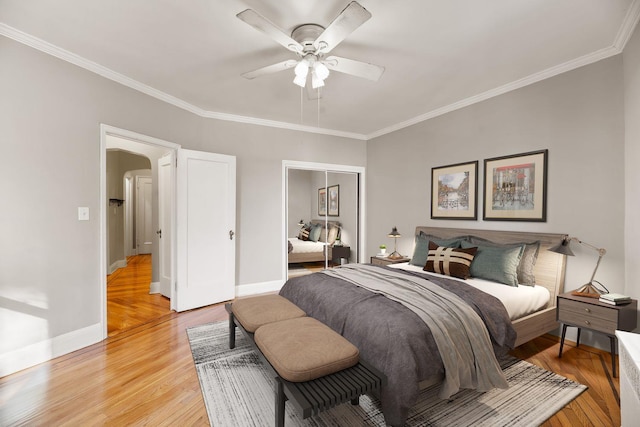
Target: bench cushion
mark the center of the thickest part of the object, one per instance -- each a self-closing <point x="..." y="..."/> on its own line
<point x="304" y="349"/>
<point x="257" y="311"/>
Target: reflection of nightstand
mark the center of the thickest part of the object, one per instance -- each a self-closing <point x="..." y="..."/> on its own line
<point x="378" y="260"/>
<point x="589" y="313"/>
<point x="338" y="252"/>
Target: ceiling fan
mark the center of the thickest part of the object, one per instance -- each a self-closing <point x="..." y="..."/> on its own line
<point x="311" y="43"/>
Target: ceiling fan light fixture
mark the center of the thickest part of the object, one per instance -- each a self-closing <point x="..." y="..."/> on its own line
<point x="300" y="80"/>
<point x="316" y="81"/>
<point x="302" y="69"/>
<point x="320" y="70"/>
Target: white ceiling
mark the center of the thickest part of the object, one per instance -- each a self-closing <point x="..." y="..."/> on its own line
<point x="439" y="55"/>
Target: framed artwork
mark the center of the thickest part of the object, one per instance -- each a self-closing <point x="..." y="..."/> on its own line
<point x="515" y="187"/>
<point x="453" y="191"/>
<point x="322" y="201"/>
<point x="334" y="200"/>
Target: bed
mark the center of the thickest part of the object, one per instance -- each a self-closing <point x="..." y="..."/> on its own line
<point x="397" y="340"/>
<point x="305" y="249"/>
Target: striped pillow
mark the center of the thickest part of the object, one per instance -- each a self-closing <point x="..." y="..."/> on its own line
<point x="304" y="233"/>
<point x="449" y="261"/>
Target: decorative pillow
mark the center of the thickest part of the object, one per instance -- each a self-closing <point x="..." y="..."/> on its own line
<point x="528" y="260"/>
<point x="449" y="261"/>
<point x="304" y="233"/>
<point x="421" y="248"/>
<point x="496" y="263"/>
<point x="330" y="236"/>
<point x="314" y="233"/>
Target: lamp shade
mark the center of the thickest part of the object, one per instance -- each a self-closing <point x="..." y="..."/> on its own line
<point x="394" y="233"/>
<point x="563" y="248"/>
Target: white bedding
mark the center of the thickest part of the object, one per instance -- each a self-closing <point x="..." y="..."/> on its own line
<point x="306" y="246"/>
<point x="519" y="301"/>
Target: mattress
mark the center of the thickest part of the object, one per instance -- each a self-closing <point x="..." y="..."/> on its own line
<point x="519" y="301"/>
<point x="305" y="246"/>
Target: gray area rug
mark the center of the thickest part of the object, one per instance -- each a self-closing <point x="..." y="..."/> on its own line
<point x="238" y="391"/>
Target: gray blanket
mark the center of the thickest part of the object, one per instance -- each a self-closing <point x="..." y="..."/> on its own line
<point x="460" y="335"/>
<point x="390" y="336"/>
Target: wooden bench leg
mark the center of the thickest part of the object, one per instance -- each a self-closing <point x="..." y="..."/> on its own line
<point x="280" y="399"/>
<point x="232" y="331"/>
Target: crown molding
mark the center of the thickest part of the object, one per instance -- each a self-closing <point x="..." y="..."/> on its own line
<point x="65" y="55"/>
<point x="624" y="34"/>
<point x="628" y="25"/>
<point x="526" y="81"/>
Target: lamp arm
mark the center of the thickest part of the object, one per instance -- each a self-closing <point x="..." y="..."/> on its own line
<point x="601" y="251"/>
<point x="597" y="265"/>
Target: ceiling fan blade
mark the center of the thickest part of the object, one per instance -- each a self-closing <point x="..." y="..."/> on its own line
<point x="349" y="19"/>
<point x="262" y="24"/>
<point x="355" y="68"/>
<point x="269" y="69"/>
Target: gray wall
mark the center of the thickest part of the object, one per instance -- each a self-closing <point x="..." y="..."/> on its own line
<point x="578" y="116"/>
<point x="50" y="112"/>
<point x="299" y="200"/>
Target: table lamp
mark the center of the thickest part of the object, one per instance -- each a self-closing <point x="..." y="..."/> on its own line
<point x="395" y="254"/>
<point x="588" y="290"/>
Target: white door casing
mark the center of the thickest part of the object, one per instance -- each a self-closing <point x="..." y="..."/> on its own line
<point x="166" y="200"/>
<point x="206" y="211"/>
<point x="144" y="208"/>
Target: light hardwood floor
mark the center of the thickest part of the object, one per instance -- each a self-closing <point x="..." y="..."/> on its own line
<point x="129" y="303"/>
<point x="145" y="376"/>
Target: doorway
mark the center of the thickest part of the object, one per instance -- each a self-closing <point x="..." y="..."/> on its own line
<point x="115" y="140"/>
<point x="327" y="196"/>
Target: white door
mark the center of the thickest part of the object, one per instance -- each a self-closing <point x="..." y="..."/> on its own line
<point x="165" y="227"/>
<point x="144" y="208"/>
<point x="206" y="212"/>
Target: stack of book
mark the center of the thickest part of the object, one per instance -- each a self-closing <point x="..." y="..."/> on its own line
<point x="615" y="299"/>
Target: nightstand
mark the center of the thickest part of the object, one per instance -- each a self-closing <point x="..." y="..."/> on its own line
<point x="338" y="252"/>
<point x="379" y="260"/>
<point x="589" y="313"/>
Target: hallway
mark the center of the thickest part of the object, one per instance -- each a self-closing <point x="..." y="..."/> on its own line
<point x="129" y="303"/>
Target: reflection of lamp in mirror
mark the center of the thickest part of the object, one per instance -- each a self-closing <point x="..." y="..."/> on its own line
<point x="301" y="222"/>
<point x="588" y="290"/>
<point x="395" y="254"/>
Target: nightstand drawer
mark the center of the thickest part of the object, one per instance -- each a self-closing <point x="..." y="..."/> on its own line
<point x="588" y="316"/>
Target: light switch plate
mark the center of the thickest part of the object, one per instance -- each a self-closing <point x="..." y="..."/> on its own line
<point x="83" y="214"/>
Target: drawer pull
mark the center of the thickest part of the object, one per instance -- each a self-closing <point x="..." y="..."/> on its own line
<point x="587" y="310"/>
<point x="587" y="322"/>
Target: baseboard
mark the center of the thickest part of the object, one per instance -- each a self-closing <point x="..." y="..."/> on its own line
<point x="34" y="354"/>
<point x="258" y="288"/>
<point x="154" y="288"/>
<point x="122" y="263"/>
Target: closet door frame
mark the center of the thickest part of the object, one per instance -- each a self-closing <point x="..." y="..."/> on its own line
<point x="327" y="168"/>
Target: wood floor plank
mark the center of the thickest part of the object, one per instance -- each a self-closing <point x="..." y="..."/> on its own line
<point x="145" y="375"/>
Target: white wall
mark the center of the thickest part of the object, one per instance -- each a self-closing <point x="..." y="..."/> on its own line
<point x="50" y="116"/>
<point x="631" y="59"/>
<point x="578" y="116"/>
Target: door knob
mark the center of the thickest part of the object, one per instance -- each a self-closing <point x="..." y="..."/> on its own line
<point x="159" y="233"/>
<point x="231" y="233"/>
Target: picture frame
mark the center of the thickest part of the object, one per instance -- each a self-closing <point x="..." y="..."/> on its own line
<point x="454" y="190"/>
<point x="333" y="200"/>
<point x="322" y="201"/>
<point x="515" y="187"/>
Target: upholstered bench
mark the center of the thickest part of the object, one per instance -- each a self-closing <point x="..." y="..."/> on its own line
<point x="315" y="367"/>
<point x="260" y="310"/>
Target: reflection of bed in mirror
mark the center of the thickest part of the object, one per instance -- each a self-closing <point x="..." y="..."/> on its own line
<point x="394" y="339"/>
<point x="310" y="248"/>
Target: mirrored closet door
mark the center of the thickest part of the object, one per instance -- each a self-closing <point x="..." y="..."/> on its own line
<point x="322" y="219"/>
